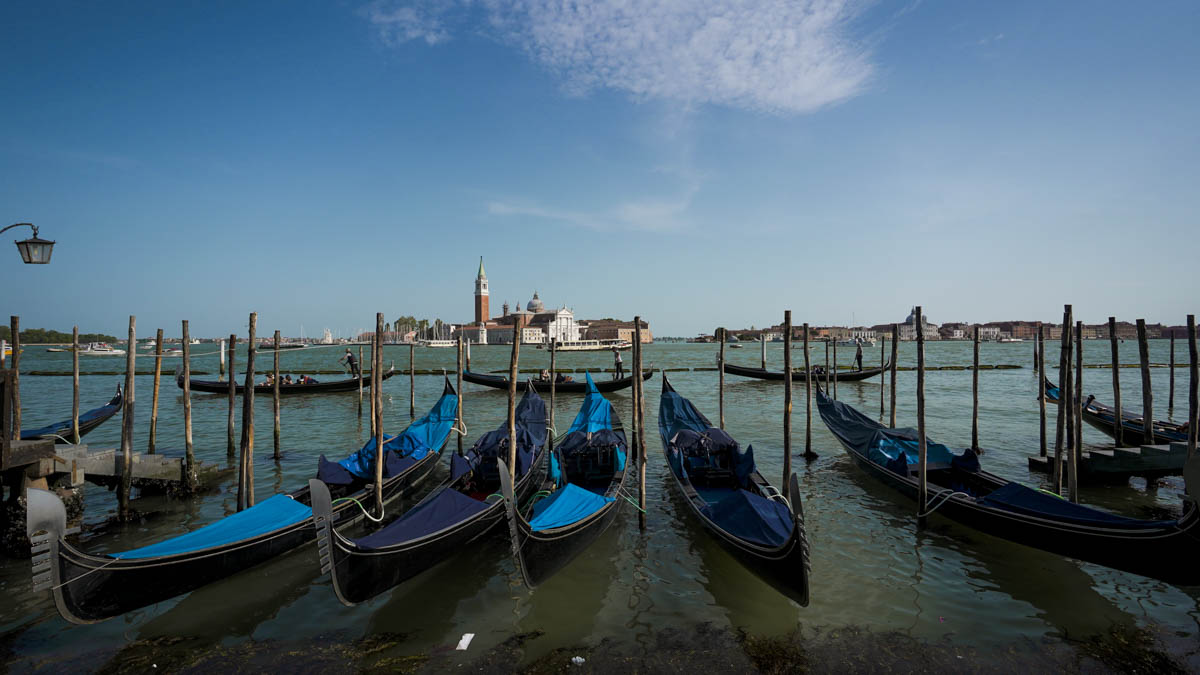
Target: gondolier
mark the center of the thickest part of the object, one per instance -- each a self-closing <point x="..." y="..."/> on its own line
<point x="618" y="364"/>
<point x="858" y="357"/>
<point x="352" y="362"/>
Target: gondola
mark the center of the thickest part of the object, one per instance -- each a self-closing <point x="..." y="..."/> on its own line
<point x="91" y="587"/>
<point x="580" y="497"/>
<point x="1133" y="432"/>
<point x="467" y="506"/>
<point x="799" y="375"/>
<point x="87" y="421"/>
<point x="215" y="387"/>
<point x="960" y="490"/>
<point x="543" y="386"/>
<point x="726" y="493"/>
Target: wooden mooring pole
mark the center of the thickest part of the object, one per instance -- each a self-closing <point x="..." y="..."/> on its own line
<point x="922" y="445"/>
<point x="1041" y="375"/>
<point x="377" y="410"/>
<point x="1118" y="424"/>
<point x="762" y="344"/>
<point x="230" y="450"/>
<point x="360" y="379"/>
<point x="1077" y="416"/>
<point x="275" y="397"/>
<point x="892" y="384"/>
<point x="246" y="484"/>
<point x="1171" y="381"/>
<point x="154" y="399"/>
<point x="189" y="454"/>
<point x="412" y="379"/>
<point x="1193" y="383"/>
<point x="221" y="356"/>
<point x="512" y="402"/>
<point x="552" y="432"/>
<point x="975" y="393"/>
<point x="75" y="385"/>
<point x="15" y="334"/>
<point x="1147" y="392"/>
<point x="641" y="422"/>
<point x="126" y="482"/>
<point x="721" y="378"/>
<point x="787" y="402"/>
<point x="634" y="393"/>
<point x="1064" y="397"/>
<point x="882" y="378"/>
<point x="458" y="409"/>
<point x="835" y="368"/>
<point x="809" y="455"/>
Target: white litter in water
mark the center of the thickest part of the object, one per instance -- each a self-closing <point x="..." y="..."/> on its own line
<point x="578" y="660"/>
<point x="465" y="641"/>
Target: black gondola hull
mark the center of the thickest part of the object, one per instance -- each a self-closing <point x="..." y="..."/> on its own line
<point x="103" y="414"/>
<point x="214" y="387"/>
<point x="543" y="387"/>
<point x="800" y="375"/>
<point x="545" y="553"/>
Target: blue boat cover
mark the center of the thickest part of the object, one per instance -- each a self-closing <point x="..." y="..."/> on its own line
<point x="63" y="427"/>
<point x="752" y="518"/>
<point x="691" y="440"/>
<point x="530" y="426"/>
<point x="1026" y="500"/>
<point x="444" y="509"/>
<point x="266" y="516"/>
<point x="426" y="435"/>
<point x="596" y="412"/>
<point x="567" y="505"/>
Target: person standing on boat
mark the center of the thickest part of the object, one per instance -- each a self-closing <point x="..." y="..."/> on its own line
<point x="617" y="363"/>
<point x="858" y="356"/>
<point x="352" y="362"/>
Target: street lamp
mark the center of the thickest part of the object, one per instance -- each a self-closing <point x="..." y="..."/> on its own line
<point x="34" y="251"/>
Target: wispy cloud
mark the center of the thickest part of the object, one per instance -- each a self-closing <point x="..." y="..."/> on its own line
<point x="990" y="39"/>
<point x="776" y="56"/>
<point x="645" y="215"/>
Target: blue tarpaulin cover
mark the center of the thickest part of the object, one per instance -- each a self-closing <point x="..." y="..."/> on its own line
<point x="426" y="435"/>
<point x="596" y="412"/>
<point x="568" y="504"/>
<point x="691" y="438"/>
<point x="272" y="514"/>
<point x="441" y="511"/>
<point x="1022" y="499"/>
<point x="529" y="420"/>
<point x="752" y="518"/>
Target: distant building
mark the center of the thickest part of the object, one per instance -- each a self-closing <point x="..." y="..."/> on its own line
<point x="481" y="295"/>
<point x="908" y="329"/>
<point x="612" y="329"/>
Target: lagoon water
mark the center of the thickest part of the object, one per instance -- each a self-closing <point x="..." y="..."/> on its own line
<point x="872" y="570"/>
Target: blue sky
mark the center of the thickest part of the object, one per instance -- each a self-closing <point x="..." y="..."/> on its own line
<point x="698" y="163"/>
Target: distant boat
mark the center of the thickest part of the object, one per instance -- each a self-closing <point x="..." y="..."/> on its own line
<point x="735" y="346"/>
<point x="855" y="341"/>
<point x="439" y="344"/>
<point x="1010" y="339"/>
<point x="101" y="349"/>
<point x="590" y="345"/>
<point x="49" y="349"/>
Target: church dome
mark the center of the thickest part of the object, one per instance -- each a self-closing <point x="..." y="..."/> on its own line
<point x="535" y="305"/>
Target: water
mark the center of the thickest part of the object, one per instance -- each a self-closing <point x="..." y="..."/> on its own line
<point x="871" y="569"/>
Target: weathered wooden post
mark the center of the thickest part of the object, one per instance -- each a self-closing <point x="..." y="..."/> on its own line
<point x="975" y="393"/>
<point x="221" y="356"/>
<point x="74" y="384"/>
<point x="377" y="419"/>
<point x="275" y="395"/>
<point x="374" y="347"/>
<point x="882" y="379"/>
<point x="808" y="382"/>
<point x="1193" y="382"/>
<point x="154" y="398"/>
<point x="15" y="330"/>
<point x="1171" y="381"/>
<point x="787" y="402"/>
<point x="1147" y="392"/>
<point x="1037" y="350"/>
<point x="458" y="412"/>
<point x="762" y="344"/>
<point x="1064" y="397"/>
<point x="641" y="422"/>
<point x="189" y="455"/>
<point x="246" y="485"/>
<point x="1077" y="416"/>
<point x="412" y="380"/>
<point x="3" y="351"/>
<point x="127" y="409"/>
<point x="634" y="393"/>
<point x="922" y="445"/>
<point x="360" y="379"/>
<point x="835" y="367"/>
<point x="468" y="356"/>
<point x="229" y="447"/>
<point x="721" y="377"/>
<point x="1041" y="375"/>
<point x="512" y="402"/>
<point x="1118" y="423"/>
<point x="892" y="384"/>
<point x="553" y="378"/>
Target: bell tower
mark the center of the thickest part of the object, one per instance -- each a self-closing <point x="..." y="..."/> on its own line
<point x="481" y="295"/>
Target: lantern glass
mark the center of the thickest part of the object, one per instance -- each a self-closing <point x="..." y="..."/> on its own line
<point x="35" y="251"/>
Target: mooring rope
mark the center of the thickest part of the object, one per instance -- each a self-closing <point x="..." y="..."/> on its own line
<point x="364" y="509"/>
<point x="945" y="498"/>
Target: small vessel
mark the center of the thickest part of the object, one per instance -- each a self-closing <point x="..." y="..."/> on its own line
<point x="735" y="346"/>
<point x="1100" y="416"/>
<point x="49" y="349"/>
<point x="856" y="341"/>
<point x="798" y="373"/>
<point x="439" y="344"/>
<point x="217" y="387"/>
<point x="87" y="421"/>
<point x="590" y="345"/>
<point x="100" y="349"/>
<point x="543" y="386"/>
<point x="1010" y="339"/>
<point x="580" y="497"/>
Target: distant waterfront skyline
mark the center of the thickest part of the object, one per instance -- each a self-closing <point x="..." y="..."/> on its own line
<point x="686" y="163"/>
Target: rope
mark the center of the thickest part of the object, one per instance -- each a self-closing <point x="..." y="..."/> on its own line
<point x="945" y="498"/>
<point x="460" y="431"/>
<point x="630" y="500"/>
<point x="68" y="581"/>
<point x="370" y="517"/>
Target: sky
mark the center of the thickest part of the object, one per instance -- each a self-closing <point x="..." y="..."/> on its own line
<point x="697" y="163"/>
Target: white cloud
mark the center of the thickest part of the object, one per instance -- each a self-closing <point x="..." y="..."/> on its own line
<point x="778" y="56"/>
<point x="649" y="215"/>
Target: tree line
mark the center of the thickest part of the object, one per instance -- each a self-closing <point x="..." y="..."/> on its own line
<point x="41" y="335"/>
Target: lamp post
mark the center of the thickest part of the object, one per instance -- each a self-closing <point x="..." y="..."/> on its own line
<point x="34" y="251"/>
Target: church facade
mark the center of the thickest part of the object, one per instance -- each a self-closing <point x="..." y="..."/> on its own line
<point x="537" y="324"/>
